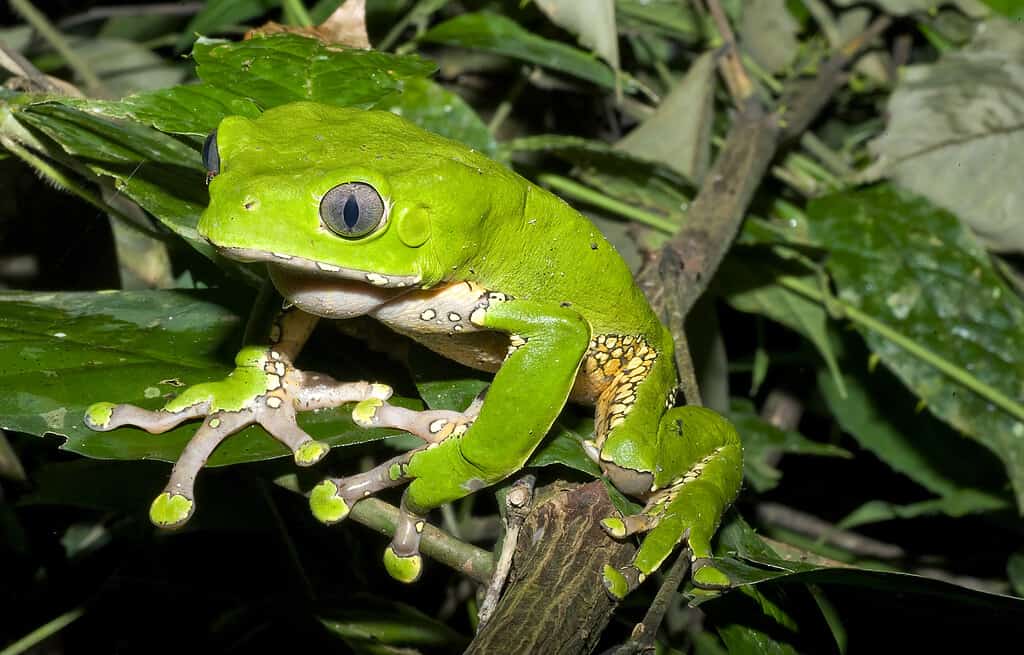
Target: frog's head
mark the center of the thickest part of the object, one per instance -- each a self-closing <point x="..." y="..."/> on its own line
<point x="350" y="194"/>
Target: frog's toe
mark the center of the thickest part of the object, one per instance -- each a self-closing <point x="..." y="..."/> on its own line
<point x="171" y="510"/>
<point x="620" y="582"/>
<point x="98" y="415"/>
<point x="708" y="576"/>
<point x="327" y="502"/>
<point x="621" y="527"/>
<point x="311" y="452"/>
<point x="104" y="416"/>
<point x="433" y="426"/>
<point x="406" y="568"/>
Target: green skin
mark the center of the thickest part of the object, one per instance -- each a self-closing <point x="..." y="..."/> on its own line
<point x="480" y="265"/>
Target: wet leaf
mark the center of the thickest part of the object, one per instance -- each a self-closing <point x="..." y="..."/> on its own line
<point x="956" y="128"/>
<point x="64" y="351"/>
<point x="768" y="32"/>
<point x="283" y="68"/>
<point x="678" y="134"/>
<point x="593" y="22"/>
<point x="500" y="35"/>
<point x="435" y="108"/>
<point x="913" y="268"/>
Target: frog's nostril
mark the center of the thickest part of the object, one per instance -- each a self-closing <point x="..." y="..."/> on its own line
<point x="251" y="204"/>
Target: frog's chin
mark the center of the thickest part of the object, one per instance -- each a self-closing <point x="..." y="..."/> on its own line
<point x="330" y="297"/>
<point x="323" y="270"/>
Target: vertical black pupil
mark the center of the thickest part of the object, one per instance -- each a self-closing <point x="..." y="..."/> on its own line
<point x="351" y="212"/>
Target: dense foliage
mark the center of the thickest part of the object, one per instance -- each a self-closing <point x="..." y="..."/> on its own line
<point x="865" y="331"/>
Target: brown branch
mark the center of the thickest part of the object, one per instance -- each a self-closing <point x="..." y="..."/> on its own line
<point x="716" y="214"/>
<point x="556" y="601"/>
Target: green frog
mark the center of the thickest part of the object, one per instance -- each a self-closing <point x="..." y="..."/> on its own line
<point x="362" y="214"/>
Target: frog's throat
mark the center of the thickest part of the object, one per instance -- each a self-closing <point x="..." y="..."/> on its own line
<point x="322" y="269"/>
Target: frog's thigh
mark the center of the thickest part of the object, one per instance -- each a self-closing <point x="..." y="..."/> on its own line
<point x="703" y="464"/>
<point x="529" y="390"/>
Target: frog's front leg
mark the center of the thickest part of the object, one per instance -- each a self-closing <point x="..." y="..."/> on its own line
<point x="529" y="390"/>
<point x="264" y="388"/>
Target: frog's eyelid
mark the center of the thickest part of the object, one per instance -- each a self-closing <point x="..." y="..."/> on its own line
<point x="211" y="155"/>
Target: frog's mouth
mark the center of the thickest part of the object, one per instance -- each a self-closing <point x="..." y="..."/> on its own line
<point x="320" y="269"/>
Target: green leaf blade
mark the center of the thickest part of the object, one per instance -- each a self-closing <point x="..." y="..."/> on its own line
<point x="954" y="328"/>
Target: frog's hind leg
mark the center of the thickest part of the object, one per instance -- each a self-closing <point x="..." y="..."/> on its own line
<point x="704" y="451"/>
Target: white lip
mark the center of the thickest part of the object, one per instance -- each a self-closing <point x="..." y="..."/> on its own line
<point x="323" y="269"/>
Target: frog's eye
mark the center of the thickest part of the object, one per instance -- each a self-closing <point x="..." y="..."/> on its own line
<point x="352" y="210"/>
<point x="211" y="156"/>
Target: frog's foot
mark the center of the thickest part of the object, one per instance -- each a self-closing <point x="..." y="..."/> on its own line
<point x="333" y="498"/>
<point x="688" y="511"/>
<point x="402" y="557"/>
<point x="263" y="389"/>
<point x="433" y="426"/>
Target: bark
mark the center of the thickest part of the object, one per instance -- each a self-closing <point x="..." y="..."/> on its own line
<point x="555" y="601"/>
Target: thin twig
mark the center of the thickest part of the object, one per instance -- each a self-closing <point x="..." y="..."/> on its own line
<point x="715" y="216"/>
<point x="731" y="65"/>
<point x="374" y="513"/>
<point x="518" y="502"/>
<point x="645" y="632"/>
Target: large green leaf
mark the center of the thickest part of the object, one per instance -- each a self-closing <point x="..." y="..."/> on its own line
<point x="933" y="309"/>
<point x="63" y="351"/>
<point x="282" y="68"/>
<point x="245" y="77"/>
<point x="157" y="171"/>
<point x="500" y="35"/>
